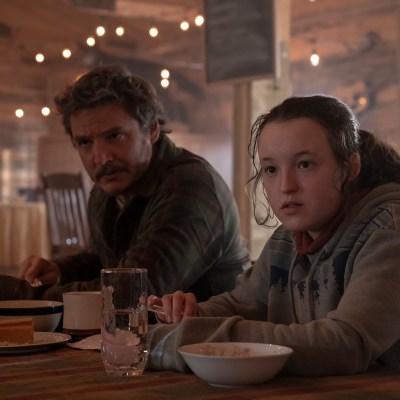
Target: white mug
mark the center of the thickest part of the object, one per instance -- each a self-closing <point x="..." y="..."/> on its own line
<point x="82" y="313"/>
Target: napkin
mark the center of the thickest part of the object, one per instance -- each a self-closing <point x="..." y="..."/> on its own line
<point x="89" y="343"/>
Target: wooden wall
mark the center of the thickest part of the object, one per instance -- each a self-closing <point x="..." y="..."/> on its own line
<point x="359" y="45"/>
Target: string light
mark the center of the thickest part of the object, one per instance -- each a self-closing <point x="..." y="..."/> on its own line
<point x="165" y="78"/>
<point x="153" y="32"/>
<point x="164" y="83"/>
<point x="362" y="101"/>
<point x="66" y="53"/>
<point x="199" y="20"/>
<point x="120" y="31"/>
<point x="184" y="25"/>
<point x="314" y="58"/>
<point x="91" y="41"/>
<point x="45" y="111"/>
<point x="39" y="57"/>
<point x="100" y="31"/>
<point x="164" y="74"/>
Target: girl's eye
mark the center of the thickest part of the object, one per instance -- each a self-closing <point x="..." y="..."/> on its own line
<point x="269" y="170"/>
<point x="304" y="164"/>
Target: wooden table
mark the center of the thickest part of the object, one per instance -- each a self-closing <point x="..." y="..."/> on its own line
<point x="66" y="373"/>
<point x="23" y="231"/>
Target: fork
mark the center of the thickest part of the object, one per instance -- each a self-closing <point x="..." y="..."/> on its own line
<point x="156" y="309"/>
<point x="36" y="283"/>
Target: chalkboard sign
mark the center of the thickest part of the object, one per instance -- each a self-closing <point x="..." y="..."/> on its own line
<point x="239" y="39"/>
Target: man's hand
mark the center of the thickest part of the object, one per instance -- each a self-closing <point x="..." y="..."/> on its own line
<point x="39" y="271"/>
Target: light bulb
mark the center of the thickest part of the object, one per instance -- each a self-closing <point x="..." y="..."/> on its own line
<point x="91" y="41"/>
<point x="153" y="31"/>
<point x="164" y="83"/>
<point x="314" y="59"/>
<point x="66" y="53"/>
<point x="45" y="111"/>
<point x="184" y="25"/>
<point x="165" y="74"/>
<point x="19" y="113"/>
<point x="362" y="101"/>
<point x="120" y="31"/>
<point x="39" y="57"/>
<point x="100" y="31"/>
<point x="199" y="20"/>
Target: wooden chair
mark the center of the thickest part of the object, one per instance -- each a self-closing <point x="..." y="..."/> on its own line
<point x="66" y="204"/>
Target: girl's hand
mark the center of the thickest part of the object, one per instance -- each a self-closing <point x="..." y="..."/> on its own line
<point x="174" y="306"/>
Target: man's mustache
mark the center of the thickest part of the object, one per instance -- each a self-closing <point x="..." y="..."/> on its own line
<point x="108" y="169"/>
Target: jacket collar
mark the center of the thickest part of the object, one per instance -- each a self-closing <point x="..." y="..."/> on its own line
<point x="164" y="152"/>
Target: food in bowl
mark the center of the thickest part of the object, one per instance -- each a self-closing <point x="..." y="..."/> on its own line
<point x="46" y="314"/>
<point x="233" y="350"/>
<point x="16" y="331"/>
<point x="234" y="363"/>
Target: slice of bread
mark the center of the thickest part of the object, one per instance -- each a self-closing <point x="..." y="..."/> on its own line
<point x="16" y="331"/>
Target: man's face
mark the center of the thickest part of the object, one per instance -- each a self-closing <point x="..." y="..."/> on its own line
<point x="113" y="149"/>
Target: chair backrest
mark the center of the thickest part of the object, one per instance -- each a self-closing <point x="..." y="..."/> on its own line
<point x="66" y="204"/>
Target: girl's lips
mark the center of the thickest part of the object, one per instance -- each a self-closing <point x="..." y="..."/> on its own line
<point x="290" y="204"/>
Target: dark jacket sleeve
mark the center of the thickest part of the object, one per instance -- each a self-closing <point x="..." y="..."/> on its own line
<point x="15" y="288"/>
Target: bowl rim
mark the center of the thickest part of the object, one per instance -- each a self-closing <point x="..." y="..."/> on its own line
<point x="286" y="350"/>
<point x="23" y="307"/>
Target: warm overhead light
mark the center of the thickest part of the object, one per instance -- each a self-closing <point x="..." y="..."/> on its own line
<point x="314" y="58"/>
<point x="91" y="41"/>
<point x="120" y="31"/>
<point x="165" y="74"/>
<point x="184" y="25"/>
<point x="199" y="20"/>
<point x="39" y="57"/>
<point x="45" y="111"/>
<point x="66" y="53"/>
<point x="164" y="83"/>
<point x="100" y="31"/>
<point x="153" y="31"/>
<point x="362" y="101"/>
<point x="19" y="113"/>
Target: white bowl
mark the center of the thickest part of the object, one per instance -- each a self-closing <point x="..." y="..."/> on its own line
<point x="46" y="314"/>
<point x="235" y="364"/>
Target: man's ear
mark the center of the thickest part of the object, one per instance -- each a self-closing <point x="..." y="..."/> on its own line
<point x="154" y="132"/>
<point x="355" y="165"/>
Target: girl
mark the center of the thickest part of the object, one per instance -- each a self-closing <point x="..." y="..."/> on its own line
<point x="327" y="282"/>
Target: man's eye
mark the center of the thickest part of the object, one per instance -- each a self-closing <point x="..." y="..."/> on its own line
<point x="82" y="142"/>
<point x="115" y="136"/>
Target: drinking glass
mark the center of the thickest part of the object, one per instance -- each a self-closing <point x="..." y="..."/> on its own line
<point x="124" y="320"/>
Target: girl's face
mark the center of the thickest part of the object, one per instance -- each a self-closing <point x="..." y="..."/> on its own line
<point x="301" y="176"/>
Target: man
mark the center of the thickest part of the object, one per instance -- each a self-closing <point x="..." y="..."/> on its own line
<point x="153" y="205"/>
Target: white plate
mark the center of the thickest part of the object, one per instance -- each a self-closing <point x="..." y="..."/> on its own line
<point x="41" y="341"/>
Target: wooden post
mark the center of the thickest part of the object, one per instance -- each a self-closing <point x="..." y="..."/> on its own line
<point x="241" y="165"/>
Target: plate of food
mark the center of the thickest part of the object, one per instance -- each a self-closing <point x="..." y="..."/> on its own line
<point x="18" y="336"/>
